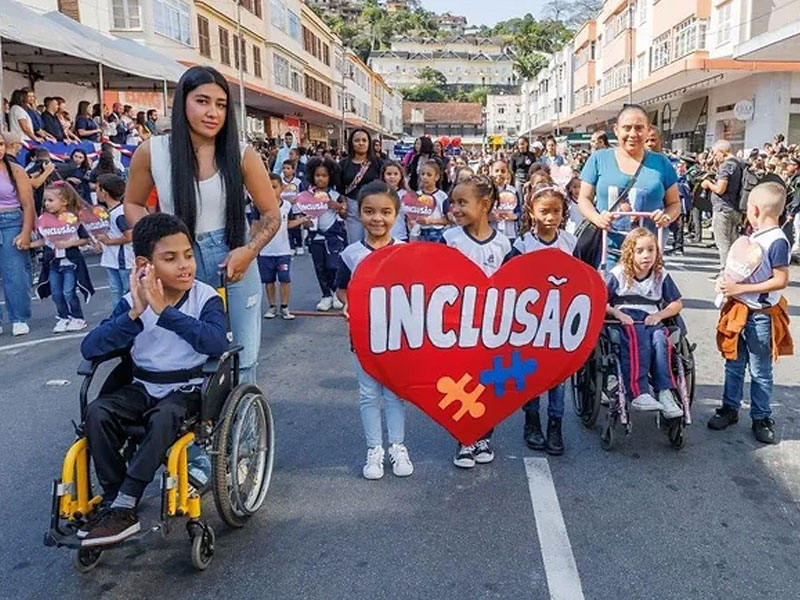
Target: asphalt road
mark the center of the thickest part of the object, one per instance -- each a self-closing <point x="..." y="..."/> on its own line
<point x="718" y="519"/>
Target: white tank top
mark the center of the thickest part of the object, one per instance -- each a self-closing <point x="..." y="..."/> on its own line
<point x="210" y="192"/>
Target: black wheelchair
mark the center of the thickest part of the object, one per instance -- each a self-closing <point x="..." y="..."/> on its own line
<point x="599" y="383"/>
<point x="235" y="428"/>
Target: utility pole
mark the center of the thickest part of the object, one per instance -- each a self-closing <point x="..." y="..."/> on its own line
<point x="242" y="108"/>
<point x="344" y="103"/>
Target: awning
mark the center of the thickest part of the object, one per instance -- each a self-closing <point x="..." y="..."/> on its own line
<point x="53" y="47"/>
<point x="689" y="115"/>
<point x="781" y="44"/>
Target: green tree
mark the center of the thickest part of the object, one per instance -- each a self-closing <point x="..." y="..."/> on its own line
<point x="478" y="95"/>
<point x="432" y="76"/>
<point x="424" y="92"/>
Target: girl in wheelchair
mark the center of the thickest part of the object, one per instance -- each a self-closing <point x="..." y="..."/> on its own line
<point x="171" y="323"/>
<point x="641" y="295"/>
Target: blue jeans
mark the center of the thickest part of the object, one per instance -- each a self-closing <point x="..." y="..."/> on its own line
<point x="370" y="393"/>
<point x="555" y="403"/>
<point x="755" y="350"/>
<point x="645" y="355"/>
<point x="63" y="288"/>
<point x="244" y="298"/>
<point x="119" y="283"/>
<point x="352" y="223"/>
<point x="431" y="234"/>
<point x="15" y="269"/>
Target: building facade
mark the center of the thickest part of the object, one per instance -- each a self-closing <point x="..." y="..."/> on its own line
<point x="504" y="116"/>
<point x="703" y="69"/>
<point x="464" y="61"/>
<point x="450" y="119"/>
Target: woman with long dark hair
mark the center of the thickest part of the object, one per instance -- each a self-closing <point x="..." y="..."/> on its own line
<point x="521" y="162"/>
<point x="85" y="126"/>
<point x="426" y="153"/>
<point x="201" y="171"/>
<point x="359" y="168"/>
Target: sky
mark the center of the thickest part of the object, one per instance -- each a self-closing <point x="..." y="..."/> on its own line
<point x="486" y="12"/>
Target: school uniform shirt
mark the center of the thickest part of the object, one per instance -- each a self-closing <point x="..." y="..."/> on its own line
<point x="775" y="247"/>
<point x="509" y="228"/>
<point x="327" y="219"/>
<point x="279" y="245"/>
<point x="290" y="189"/>
<point x="181" y="338"/>
<point x="117" y="257"/>
<point x="489" y="254"/>
<point x="648" y="295"/>
<point x="351" y="257"/>
<point x="574" y="217"/>
<point x="529" y="242"/>
<point x="400" y="228"/>
<point x="440" y="208"/>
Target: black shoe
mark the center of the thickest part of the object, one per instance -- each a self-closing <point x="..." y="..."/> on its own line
<point x="483" y="452"/>
<point x="94" y="518"/>
<point x="724" y="416"/>
<point x="555" y="443"/>
<point x="533" y="432"/>
<point x="764" y="431"/>
<point x="115" y="525"/>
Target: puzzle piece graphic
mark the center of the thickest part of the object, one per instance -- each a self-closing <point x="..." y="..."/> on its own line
<point x="455" y="392"/>
<point x="518" y="371"/>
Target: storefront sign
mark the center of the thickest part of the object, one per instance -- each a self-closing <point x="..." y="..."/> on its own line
<point x="744" y="110"/>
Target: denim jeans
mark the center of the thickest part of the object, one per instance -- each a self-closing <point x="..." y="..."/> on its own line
<point x="644" y="355"/>
<point x="15" y="269"/>
<point x="119" y="283"/>
<point x="355" y="230"/>
<point x="370" y="393"/>
<point x="244" y="298"/>
<point x="64" y="289"/>
<point x="755" y="350"/>
<point x="555" y="403"/>
<point x="431" y="234"/>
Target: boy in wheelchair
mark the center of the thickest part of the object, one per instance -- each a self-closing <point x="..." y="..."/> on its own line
<point x="171" y="324"/>
<point x="641" y="295"/>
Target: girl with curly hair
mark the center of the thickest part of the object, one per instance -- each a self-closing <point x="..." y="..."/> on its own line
<point x="641" y="294"/>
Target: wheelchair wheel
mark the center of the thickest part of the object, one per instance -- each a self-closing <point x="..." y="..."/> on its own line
<point x="575" y="385"/>
<point x="608" y="437"/>
<point x="590" y="390"/>
<point x="675" y="433"/>
<point x="686" y="353"/>
<point x="203" y="546"/>
<point x="244" y="450"/>
<point x="86" y="559"/>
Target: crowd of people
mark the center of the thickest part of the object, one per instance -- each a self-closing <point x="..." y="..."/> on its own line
<point x="242" y="209"/>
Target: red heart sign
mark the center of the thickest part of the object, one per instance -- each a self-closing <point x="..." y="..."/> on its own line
<point x="418" y="206"/>
<point x="58" y="228"/>
<point x="313" y="205"/>
<point x="95" y="220"/>
<point x="466" y="349"/>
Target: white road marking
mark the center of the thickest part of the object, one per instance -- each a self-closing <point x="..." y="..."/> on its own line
<point x="563" y="580"/>
<point x="70" y="336"/>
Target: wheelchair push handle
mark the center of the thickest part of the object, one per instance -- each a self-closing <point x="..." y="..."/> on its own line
<point x="642" y="217"/>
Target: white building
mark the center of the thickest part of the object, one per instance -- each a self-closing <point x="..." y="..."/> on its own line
<point x="548" y="99"/>
<point x="465" y="61"/>
<point x="504" y="115"/>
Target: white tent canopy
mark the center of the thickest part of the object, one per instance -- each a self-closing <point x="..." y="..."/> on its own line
<point x="54" y="47"/>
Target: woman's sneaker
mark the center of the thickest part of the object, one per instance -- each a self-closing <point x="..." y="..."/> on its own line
<point x="337" y="304"/>
<point x="77" y="324"/>
<point x="483" y="452"/>
<point x="401" y="464"/>
<point x="645" y="402"/>
<point x="18" y="329"/>
<point x="669" y="407"/>
<point x="61" y="326"/>
<point x="116" y="525"/>
<point x="373" y="469"/>
<point x="465" y="457"/>
<point x="325" y="304"/>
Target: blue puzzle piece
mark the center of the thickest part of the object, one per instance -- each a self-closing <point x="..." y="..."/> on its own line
<point x="499" y="375"/>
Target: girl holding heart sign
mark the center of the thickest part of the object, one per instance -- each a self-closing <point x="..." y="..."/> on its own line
<point x="434" y="203"/>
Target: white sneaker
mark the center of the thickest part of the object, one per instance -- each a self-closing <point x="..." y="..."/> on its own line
<point x="337" y="305"/>
<point x="18" y="329"/>
<point x="325" y="304"/>
<point x="669" y="406"/>
<point x="271" y="313"/>
<point x="300" y="251"/>
<point x="373" y="469"/>
<point x="286" y="315"/>
<point x="401" y="464"/>
<point x="61" y="326"/>
<point x="77" y="324"/>
<point x="646" y="402"/>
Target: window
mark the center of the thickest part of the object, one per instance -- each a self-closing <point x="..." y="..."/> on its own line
<point x="615" y="78"/>
<point x="326" y="55"/>
<point x="224" y="47"/>
<point x="254" y="6"/>
<point x="294" y="25"/>
<point x="204" y="36"/>
<point x="659" y="56"/>
<point x="315" y="46"/>
<point x="257" y="61"/>
<point x="280" y="68"/>
<point x="278" y="16"/>
<point x="724" y="23"/>
<point x="127" y="14"/>
<point x="317" y="91"/>
<point x="171" y="19"/>
<point x="641" y="11"/>
<point x="641" y="66"/>
<point x="296" y="81"/>
<point x="616" y="25"/>
<point x="688" y="37"/>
